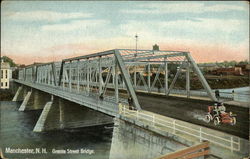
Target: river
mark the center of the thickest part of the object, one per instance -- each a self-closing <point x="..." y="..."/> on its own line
<point x="113" y="141"/>
<point x="16" y="133"/>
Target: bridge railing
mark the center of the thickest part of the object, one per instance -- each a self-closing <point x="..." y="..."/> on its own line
<point x="178" y="127"/>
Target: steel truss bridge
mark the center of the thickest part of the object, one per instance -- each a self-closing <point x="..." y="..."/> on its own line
<point x="104" y="81"/>
<point x="120" y="69"/>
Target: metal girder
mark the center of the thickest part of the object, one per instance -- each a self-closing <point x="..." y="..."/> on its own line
<point x="149" y="78"/>
<point x="78" y="77"/>
<point x="100" y="75"/>
<point x="143" y="81"/>
<point x="70" y="76"/>
<point x="188" y="79"/>
<point x="127" y="79"/>
<point x="156" y="77"/>
<point x="61" y="73"/>
<point x="105" y="53"/>
<point x="116" y="83"/>
<point x="155" y="57"/>
<point x="54" y="73"/>
<point x="84" y="73"/>
<point x="107" y="80"/>
<point x="175" y="78"/>
<point x="201" y="77"/>
<point x="166" y="76"/>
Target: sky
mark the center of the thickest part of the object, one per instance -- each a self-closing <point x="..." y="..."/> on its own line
<point x="44" y="31"/>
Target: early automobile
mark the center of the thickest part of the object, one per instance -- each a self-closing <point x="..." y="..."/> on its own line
<point x="218" y="115"/>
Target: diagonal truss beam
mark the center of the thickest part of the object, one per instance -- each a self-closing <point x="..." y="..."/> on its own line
<point x="127" y="79"/>
<point x="175" y="78"/>
<point x="201" y="77"/>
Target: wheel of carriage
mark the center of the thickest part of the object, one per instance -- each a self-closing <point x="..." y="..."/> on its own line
<point x="208" y="118"/>
<point x="233" y="121"/>
<point x="216" y="121"/>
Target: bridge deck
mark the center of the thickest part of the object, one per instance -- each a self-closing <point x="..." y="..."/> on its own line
<point x="193" y="111"/>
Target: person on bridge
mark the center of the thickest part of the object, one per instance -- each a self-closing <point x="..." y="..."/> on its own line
<point x="130" y="102"/>
<point x="217" y="94"/>
<point x="222" y="108"/>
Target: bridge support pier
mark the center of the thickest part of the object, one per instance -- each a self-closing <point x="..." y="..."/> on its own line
<point x="20" y="94"/>
<point x="60" y="114"/>
<point x="34" y="100"/>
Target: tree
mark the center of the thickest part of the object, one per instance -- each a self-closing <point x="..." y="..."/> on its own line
<point x="9" y="60"/>
<point x="243" y="62"/>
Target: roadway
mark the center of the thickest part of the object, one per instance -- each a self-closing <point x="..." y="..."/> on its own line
<point x="193" y="111"/>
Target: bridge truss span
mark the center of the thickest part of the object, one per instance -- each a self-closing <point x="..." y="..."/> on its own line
<point x="107" y="75"/>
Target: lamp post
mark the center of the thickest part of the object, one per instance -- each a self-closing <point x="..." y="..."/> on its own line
<point x="136" y="39"/>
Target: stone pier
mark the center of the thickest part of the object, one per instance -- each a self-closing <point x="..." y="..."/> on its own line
<point x="33" y="100"/>
<point x="61" y="114"/>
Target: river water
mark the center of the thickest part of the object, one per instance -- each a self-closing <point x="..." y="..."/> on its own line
<point x="113" y="141"/>
<point x="16" y="132"/>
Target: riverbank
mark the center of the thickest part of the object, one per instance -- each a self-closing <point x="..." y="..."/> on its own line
<point x="6" y="95"/>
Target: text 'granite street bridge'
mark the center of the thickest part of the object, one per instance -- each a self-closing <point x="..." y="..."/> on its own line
<point x="105" y="81"/>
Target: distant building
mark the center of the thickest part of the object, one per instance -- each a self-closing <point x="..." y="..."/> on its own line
<point x="248" y="67"/>
<point x="208" y="67"/>
<point x="229" y="71"/>
<point x="5" y="75"/>
<point x="245" y="68"/>
<point x="156" y="47"/>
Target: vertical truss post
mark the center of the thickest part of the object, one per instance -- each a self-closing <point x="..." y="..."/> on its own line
<point x="42" y="74"/>
<point x="35" y="74"/>
<point x="24" y="74"/>
<point x="46" y="75"/>
<point x="149" y="72"/>
<point x="70" y="76"/>
<point x="166" y="75"/>
<point x="113" y="73"/>
<point x="200" y="76"/>
<point x="127" y="79"/>
<point x="63" y="78"/>
<point x="78" y="76"/>
<point x="188" y="79"/>
<point x="32" y="73"/>
<point x="88" y="72"/>
<point x="135" y="76"/>
<point x="61" y="74"/>
<point x="49" y="75"/>
<point x="100" y="76"/>
<point x="116" y="83"/>
<point x="54" y="73"/>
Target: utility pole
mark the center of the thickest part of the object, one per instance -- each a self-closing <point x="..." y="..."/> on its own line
<point x="136" y="39"/>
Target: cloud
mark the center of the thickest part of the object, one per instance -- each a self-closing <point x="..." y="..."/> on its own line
<point x="190" y="7"/>
<point x="45" y="15"/>
<point x="73" y="25"/>
<point x="209" y="30"/>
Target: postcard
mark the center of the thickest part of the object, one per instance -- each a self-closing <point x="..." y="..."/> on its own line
<point x="124" y="79"/>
